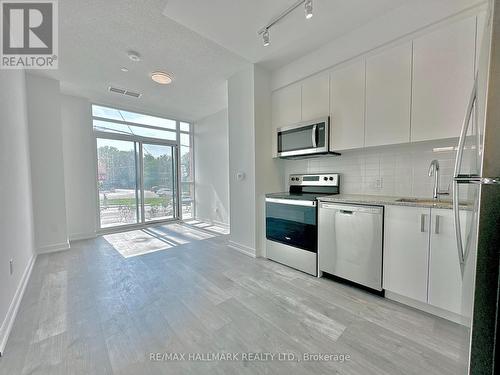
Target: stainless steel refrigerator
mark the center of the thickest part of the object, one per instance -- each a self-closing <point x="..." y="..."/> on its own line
<point x="476" y="204"/>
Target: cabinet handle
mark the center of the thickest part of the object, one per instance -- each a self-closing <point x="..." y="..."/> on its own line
<point x="436" y="228"/>
<point x="422" y="222"/>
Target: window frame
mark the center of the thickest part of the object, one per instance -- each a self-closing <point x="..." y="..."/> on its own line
<point x="135" y="138"/>
<point x="192" y="166"/>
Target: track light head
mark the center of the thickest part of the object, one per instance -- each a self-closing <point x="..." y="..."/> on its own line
<point x="308" y="5"/>
<point x="265" y="37"/>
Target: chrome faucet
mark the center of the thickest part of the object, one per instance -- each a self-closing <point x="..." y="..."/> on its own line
<point x="434" y="171"/>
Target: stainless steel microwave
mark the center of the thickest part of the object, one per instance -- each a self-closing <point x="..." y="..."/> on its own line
<point x="310" y="138"/>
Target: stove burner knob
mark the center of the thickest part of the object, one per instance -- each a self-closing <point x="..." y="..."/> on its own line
<point x="325" y="178"/>
<point x="331" y="178"/>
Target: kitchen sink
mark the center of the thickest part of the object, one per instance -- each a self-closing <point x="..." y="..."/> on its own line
<point x="423" y="201"/>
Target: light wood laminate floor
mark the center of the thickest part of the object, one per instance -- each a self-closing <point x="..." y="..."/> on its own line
<point x="93" y="310"/>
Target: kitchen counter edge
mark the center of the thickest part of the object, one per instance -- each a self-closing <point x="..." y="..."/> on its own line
<point x="376" y="200"/>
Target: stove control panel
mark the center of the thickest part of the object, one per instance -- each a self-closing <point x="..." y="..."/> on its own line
<point x="323" y="179"/>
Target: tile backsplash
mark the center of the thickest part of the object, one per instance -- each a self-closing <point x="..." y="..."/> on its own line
<point x="397" y="170"/>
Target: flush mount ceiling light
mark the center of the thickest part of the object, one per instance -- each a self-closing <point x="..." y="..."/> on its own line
<point x="134" y="56"/>
<point x="162" y="78"/>
<point x="123" y="69"/>
<point x="308" y="6"/>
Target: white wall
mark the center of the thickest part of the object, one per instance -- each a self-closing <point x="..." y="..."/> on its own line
<point x="402" y="169"/>
<point x="398" y="24"/>
<point x="242" y="159"/>
<point x="250" y="143"/>
<point x="79" y="167"/>
<point x="211" y="155"/>
<point x="16" y="218"/>
<point x="268" y="171"/>
<point x="47" y="166"/>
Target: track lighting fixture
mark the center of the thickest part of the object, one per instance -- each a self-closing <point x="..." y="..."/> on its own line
<point x="265" y="37"/>
<point x="308" y="5"/>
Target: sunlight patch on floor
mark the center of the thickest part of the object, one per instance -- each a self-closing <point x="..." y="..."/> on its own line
<point x="148" y="240"/>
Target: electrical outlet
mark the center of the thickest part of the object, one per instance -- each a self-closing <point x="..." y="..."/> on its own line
<point x="11" y="266"/>
<point x="379" y="183"/>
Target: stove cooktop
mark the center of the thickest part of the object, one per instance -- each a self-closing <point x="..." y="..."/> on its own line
<point x="309" y="187"/>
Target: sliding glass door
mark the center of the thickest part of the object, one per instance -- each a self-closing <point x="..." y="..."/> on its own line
<point x="159" y="186"/>
<point x="137" y="182"/>
<point x="118" y="186"/>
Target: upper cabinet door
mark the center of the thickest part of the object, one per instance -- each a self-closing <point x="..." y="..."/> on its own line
<point x="347" y="107"/>
<point x="315" y="97"/>
<point x="443" y="76"/>
<point x="388" y="96"/>
<point x="480" y="28"/>
<point x="286" y="106"/>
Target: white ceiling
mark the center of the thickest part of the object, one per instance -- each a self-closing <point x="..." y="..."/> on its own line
<point x="200" y="42"/>
<point x="95" y="36"/>
<point x="234" y="24"/>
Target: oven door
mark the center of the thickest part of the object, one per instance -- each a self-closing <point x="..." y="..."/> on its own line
<point x="292" y="222"/>
<point x="303" y="139"/>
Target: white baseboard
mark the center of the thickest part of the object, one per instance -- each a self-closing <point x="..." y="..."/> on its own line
<point x="213" y="222"/>
<point x="8" y="322"/>
<point x="242" y="249"/>
<point x="220" y="224"/>
<point x="82" y="236"/>
<point x="448" y="315"/>
<point x="54" y="248"/>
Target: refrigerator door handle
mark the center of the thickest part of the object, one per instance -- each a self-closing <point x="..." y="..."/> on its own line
<point x="468" y="179"/>
<point x="458" y="232"/>
<point x="458" y="164"/>
<point x="487" y="181"/>
<point x="463" y="132"/>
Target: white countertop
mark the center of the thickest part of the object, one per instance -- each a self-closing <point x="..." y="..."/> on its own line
<point x="381" y="200"/>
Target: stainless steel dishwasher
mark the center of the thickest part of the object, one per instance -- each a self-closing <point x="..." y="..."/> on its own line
<point x="350" y="242"/>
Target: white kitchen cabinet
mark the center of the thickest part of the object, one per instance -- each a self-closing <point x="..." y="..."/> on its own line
<point x="388" y="96"/>
<point x="445" y="278"/>
<point x="443" y="76"/>
<point x="315" y="97"/>
<point x="347" y="107"/>
<point x="406" y="251"/>
<point x="286" y="106"/>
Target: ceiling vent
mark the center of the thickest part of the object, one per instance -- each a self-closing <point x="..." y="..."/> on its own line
<point x="116" y="90"/>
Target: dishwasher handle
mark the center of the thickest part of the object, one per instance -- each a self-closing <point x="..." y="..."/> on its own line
<point x="347" y="212"/>
<point x="350" y="209"/>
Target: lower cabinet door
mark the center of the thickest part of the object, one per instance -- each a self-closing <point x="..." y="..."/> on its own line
<point x="445" y="278"/>
<point x="406" y="251"/>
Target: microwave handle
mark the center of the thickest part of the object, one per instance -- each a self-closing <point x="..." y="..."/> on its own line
<point x="315" y="136"/>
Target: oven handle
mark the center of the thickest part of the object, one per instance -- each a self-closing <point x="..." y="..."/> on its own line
<point x="291" y="202"/>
